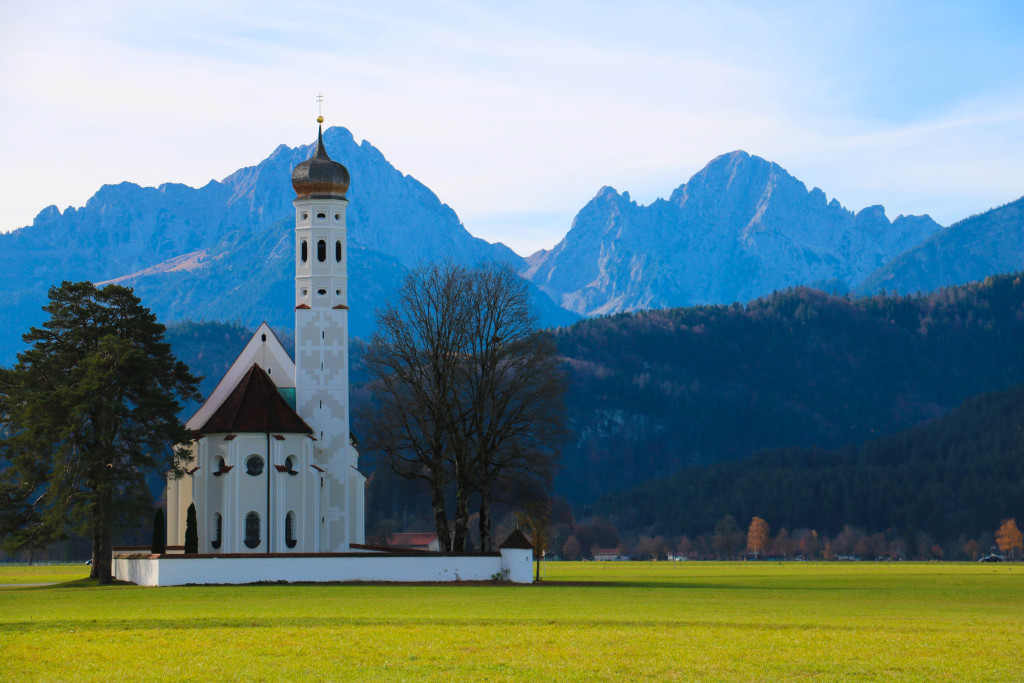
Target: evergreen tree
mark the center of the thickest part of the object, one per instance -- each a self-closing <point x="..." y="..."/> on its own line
<point x="159" y="546"/>
<point x="89" y="410"/>
<point x="191" y="531"/>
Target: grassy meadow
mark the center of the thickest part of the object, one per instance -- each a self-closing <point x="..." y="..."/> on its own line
<point x="586" y="621"/>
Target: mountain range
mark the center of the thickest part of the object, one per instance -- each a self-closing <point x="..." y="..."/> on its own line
<point x="224" y="251"/>
<point x="740" y="228"/>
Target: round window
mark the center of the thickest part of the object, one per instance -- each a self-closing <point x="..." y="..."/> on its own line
<point x="254" y="465"/>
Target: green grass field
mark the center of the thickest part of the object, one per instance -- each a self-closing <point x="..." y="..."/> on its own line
<point x="586" y="621"/>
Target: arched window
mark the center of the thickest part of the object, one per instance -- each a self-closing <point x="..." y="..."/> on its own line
<point x="254" y="465"/>
<point x="289" y="529"/>
<point x="218" y="468"/>
<point x="337" y="251"/>
<point x="321" y="251"/>
<point x="252" y="530"/>
<point x="305" y="251"/>
<point x="289" y="465"/>
<point x="218" y="527"/>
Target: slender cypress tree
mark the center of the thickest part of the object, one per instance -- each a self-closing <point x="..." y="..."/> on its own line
<point x="159" y="546"/>
<point x="191" y="531"/>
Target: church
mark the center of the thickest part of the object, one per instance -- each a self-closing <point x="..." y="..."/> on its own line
<point x="274" y="476"/>
<point x="274" y="468"/>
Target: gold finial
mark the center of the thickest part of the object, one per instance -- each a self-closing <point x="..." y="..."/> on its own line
<point x="320" y="107"/>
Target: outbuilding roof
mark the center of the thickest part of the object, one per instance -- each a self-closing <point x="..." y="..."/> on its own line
<point x="255" y="405"/>
<point x="517" y="540"/>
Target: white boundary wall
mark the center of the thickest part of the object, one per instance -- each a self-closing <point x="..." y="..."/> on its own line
<point x="511" y="565"/>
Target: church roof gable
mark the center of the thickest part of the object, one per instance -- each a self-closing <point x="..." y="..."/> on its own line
<point x="263" y="349"/>
<point x="255" y="405"/>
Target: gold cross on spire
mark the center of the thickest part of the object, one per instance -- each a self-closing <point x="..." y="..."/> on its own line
<point x="320" y="107"/>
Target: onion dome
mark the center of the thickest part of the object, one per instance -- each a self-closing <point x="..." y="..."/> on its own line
<point x="318" y="177"/>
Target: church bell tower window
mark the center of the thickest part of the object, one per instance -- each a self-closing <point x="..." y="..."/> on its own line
<point x="337" y="251"/>
<point x="305" y="251"/>
<point x="321" y="251"/>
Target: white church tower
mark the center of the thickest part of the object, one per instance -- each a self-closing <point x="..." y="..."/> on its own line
<point x="321" y="336"/>
<point x="275" y="470"/>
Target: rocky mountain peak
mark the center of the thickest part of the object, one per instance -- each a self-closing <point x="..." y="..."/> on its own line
<point x="740" y="228"/>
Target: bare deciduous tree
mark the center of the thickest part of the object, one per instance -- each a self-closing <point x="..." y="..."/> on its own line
<point x="465" y="390"/>
<point x="511" y="389"/>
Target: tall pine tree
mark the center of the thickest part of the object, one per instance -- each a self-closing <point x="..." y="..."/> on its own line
<point x="89" y="410"/>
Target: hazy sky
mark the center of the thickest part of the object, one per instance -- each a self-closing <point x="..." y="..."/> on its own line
<point x="516" y="113"/>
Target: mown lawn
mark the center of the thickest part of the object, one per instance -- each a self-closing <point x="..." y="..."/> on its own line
<point x="586" y="621"/>
<point x="56" y="573"/>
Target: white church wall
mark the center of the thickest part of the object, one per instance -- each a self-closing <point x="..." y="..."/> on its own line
<point x="518" y="563"/>
<point x="513" y="566"/>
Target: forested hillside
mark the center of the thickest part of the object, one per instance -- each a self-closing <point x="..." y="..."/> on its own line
<point x="956" y="476"/>
<point x="652" y="393"/>
<point x="655" y="391"/>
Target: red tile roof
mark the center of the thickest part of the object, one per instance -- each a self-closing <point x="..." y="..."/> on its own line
<point x="255" y="405"/>
<point x="412" y="539"/>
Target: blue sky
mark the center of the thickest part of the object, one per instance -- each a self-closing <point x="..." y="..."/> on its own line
<point x="515" y="114"/>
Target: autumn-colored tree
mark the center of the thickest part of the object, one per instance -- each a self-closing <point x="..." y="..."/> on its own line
<point x="879" y="545"/>
<point x="1009" y="538"/>
<point x="810" y="545"/>
<point x="571" y="549"/>
<point x="534" y="518"/>
<point x="652" y="548"/>
<point x="845" y="543"/>
<point x="757" y="536"/>
<point x="784" y="544"/>
<point x="972" y="549"/>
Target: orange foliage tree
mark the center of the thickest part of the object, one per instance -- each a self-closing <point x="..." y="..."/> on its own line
<point x="757" y="536"/>
<point x="1009" y="537"/>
